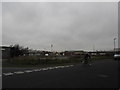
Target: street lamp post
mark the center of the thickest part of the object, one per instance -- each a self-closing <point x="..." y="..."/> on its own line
<point x="114" y="44"/>
<point x="51" y="47"/>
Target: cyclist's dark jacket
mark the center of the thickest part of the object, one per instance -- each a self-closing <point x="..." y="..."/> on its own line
<point x="87" y="56"/>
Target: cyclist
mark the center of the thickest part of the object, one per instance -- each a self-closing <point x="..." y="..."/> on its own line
<point x="87" y="58"/>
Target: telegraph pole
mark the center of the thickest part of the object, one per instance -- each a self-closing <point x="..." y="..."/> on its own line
<point x="114" y="44"/>
<point x="51" y="47"/>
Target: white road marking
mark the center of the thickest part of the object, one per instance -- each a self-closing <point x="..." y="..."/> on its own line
<point x="8" y="74"/>
<point x="19" y="72"/>
<point x="57" y="67"/>
<point x="35" y="70"/>
<point x="51" y="68"/>
<point x="67" y="66"/>
<point x="28" y="71"/>
<point x="61" y="66"/>
<point x="42" y="69"/>
<point x="39" y="69"/>
<point x="48" y="68"/>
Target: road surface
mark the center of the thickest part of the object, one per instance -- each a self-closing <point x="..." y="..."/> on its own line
<point x="102" y="74"/>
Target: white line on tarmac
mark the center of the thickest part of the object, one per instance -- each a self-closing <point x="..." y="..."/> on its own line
<point x="36" y="70"/>
<point x="44" y="69"/>
<point x="61" y="66"/>
<point x="7" y="74"/>
<point x="28" y="71"/>
<point x="50" y="68"/>
<point x="39" y="69"/>
<point x="71" y="65"/>
<point x="67" y="66"/>
<point x="56" y="67"/>
<point x="19" y="72"/>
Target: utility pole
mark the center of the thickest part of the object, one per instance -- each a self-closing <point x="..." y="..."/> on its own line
<point x="114" y="44"/>
<point x="51" y="48"/>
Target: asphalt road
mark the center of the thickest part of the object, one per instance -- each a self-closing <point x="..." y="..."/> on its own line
<point x="102" y="74"/>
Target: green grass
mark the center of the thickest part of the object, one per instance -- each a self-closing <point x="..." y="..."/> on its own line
<point x="35" y="61"/>
<point x="94" y="58"/>
<point x="38" y="65"/>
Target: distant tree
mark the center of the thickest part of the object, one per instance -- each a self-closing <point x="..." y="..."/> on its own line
<point x="15" y="50"/>
<point x="12" y="51"/>
<point x="25" y="51"/>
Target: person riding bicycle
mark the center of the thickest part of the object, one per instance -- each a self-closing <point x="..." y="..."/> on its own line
<point x="87" y="58"/>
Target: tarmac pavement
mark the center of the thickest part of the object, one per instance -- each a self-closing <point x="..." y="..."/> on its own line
<point x="102" y="74"/>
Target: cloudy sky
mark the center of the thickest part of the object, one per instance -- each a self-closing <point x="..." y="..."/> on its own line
<point x="66" y="25"/>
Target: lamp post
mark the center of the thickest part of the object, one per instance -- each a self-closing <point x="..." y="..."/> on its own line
<point x="51" y="47"/>
<point x="114" y="44"/>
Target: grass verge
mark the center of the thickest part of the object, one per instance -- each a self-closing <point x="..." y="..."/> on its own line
<point x="35" y="61"/>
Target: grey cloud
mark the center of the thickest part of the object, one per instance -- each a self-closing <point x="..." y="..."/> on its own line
<point x="66" y="25"/>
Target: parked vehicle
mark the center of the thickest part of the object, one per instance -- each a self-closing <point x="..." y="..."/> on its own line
<point x="117" y="56"/>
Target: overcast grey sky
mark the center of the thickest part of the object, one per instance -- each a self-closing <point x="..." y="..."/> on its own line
<point x="66" y="25"/>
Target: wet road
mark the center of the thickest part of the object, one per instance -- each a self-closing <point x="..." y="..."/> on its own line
<point x="102" y="74"/>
